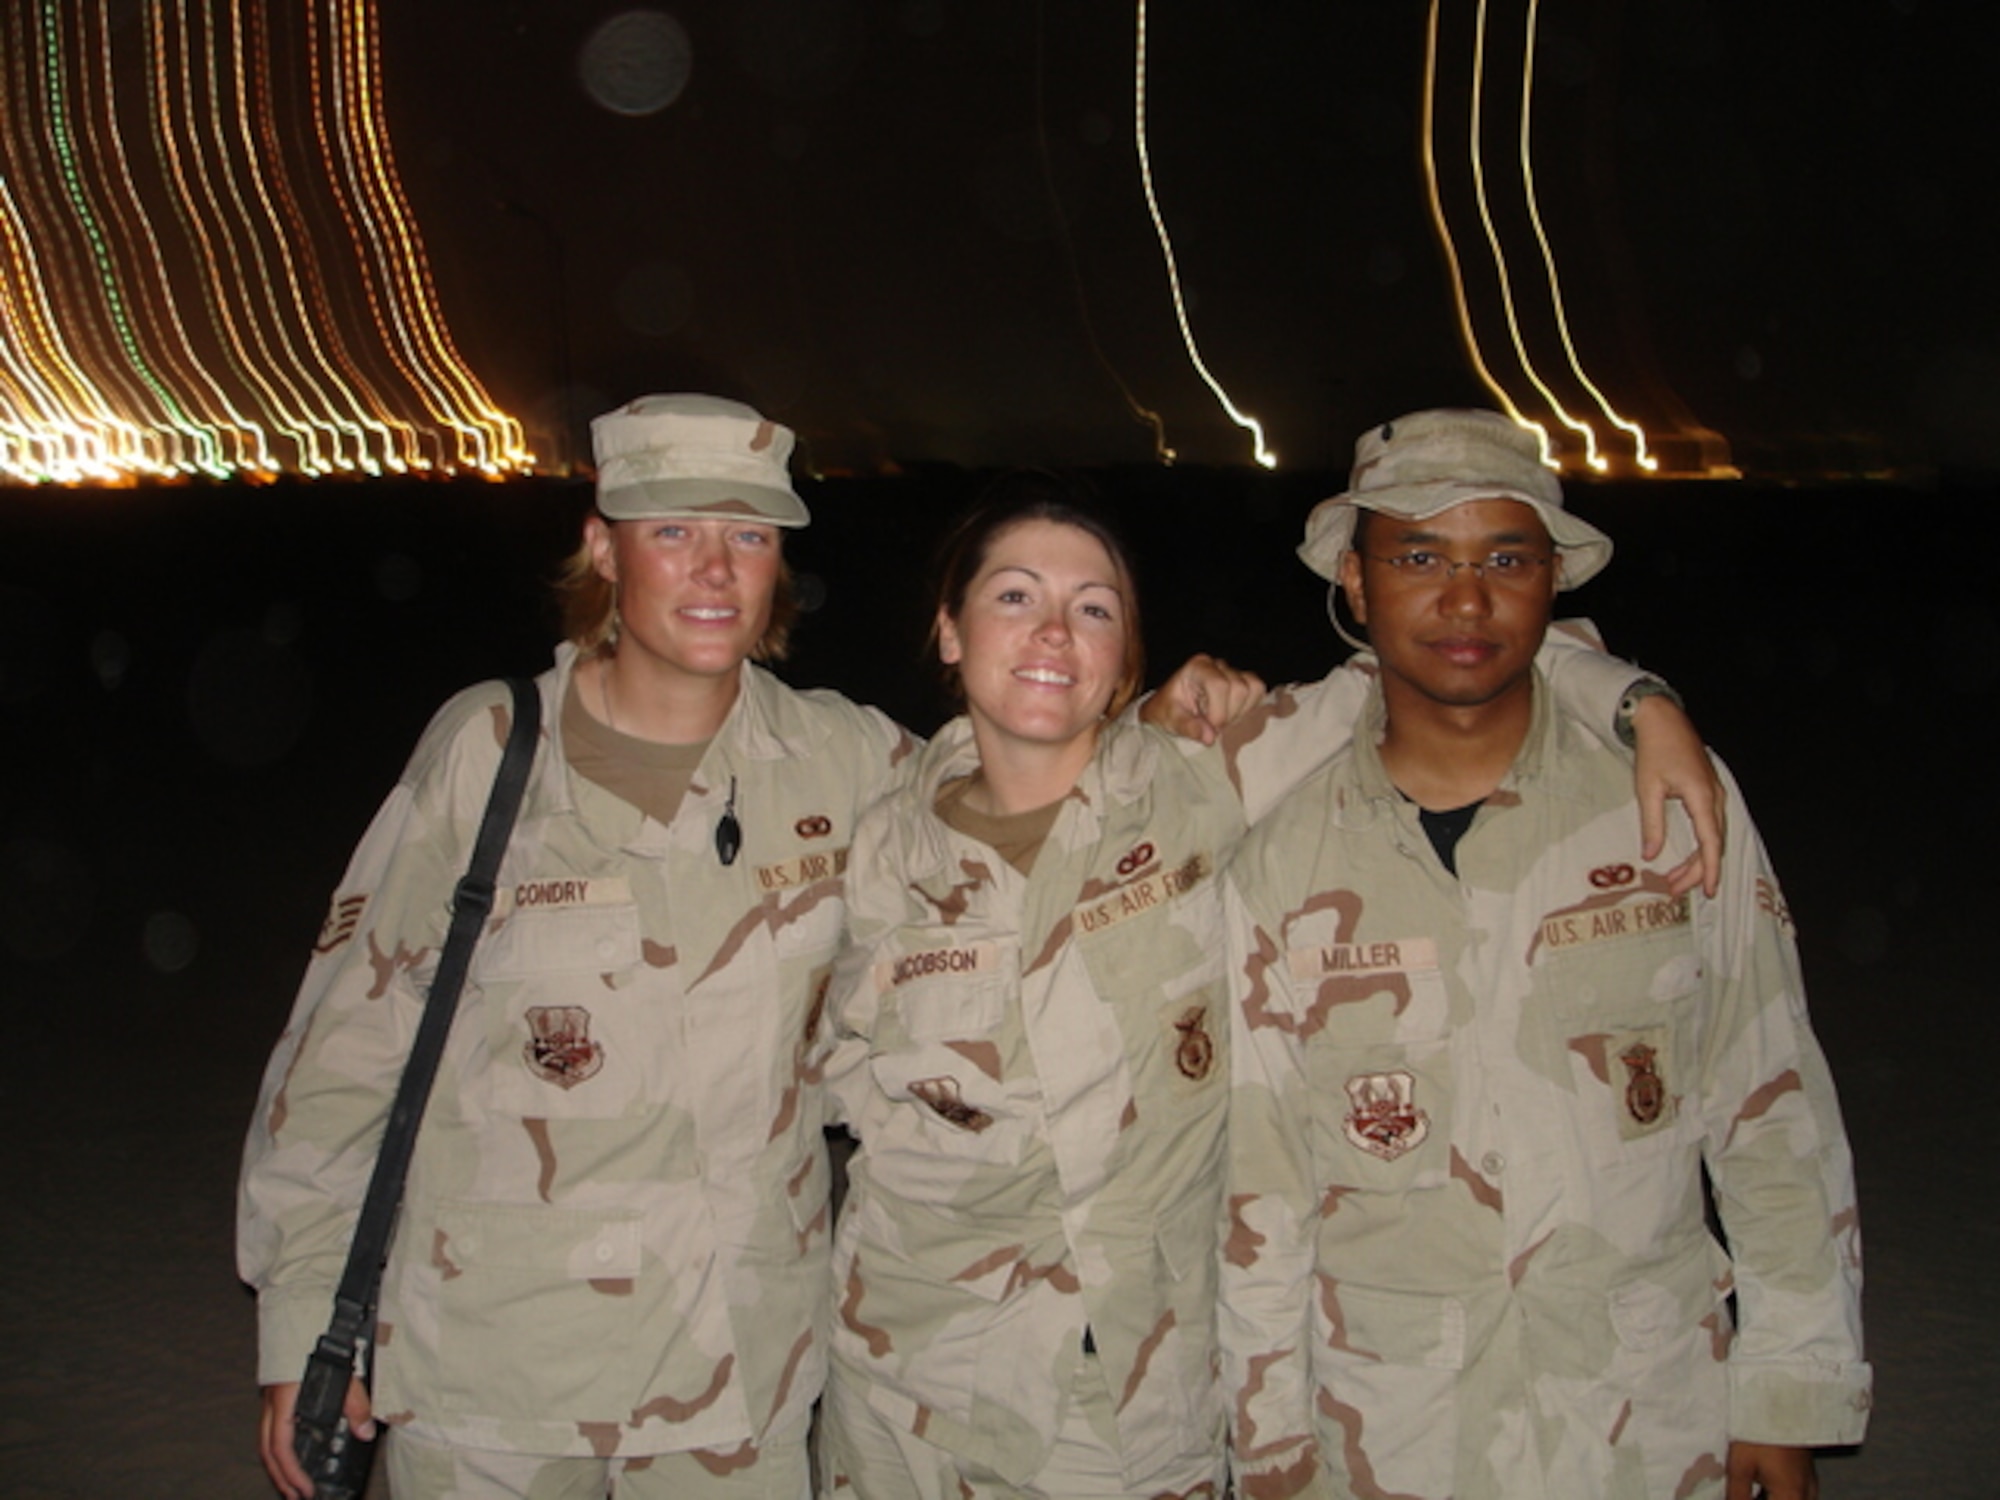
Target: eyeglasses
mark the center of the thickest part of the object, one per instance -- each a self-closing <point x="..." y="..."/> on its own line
<point x="1502" y="567"/>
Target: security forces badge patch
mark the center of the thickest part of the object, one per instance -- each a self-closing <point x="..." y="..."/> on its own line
<point x="1647" y="1100"/>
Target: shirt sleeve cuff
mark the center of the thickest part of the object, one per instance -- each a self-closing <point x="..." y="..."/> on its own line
<point x="1806" y="1405"/>
<point x="289" y="1324"/>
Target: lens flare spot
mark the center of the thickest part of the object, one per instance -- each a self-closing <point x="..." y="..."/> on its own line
<point x="636" y="63"/>
<point x="170" y="941"/>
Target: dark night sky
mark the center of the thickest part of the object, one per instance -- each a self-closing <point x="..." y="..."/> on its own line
<point x="1770" y="213"/>
<point x="1767" y="216"/>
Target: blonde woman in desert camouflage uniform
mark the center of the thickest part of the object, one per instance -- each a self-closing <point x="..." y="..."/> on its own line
<point x="611" y="1263"/>
<point x="1031" y="1037"/>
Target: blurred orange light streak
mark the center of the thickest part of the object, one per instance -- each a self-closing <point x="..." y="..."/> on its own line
<point x="234" y="304"/>
<point x="183" y="381"/>
<point x="1506" y="280"/>
<point x="407" y="271"/>
<point x="1504" y="276"/>
<point x="1641" y="456"/>
<point x="174" y="310"/>
<point x="1250" y="424"/>
<point x="1443" y="225"/>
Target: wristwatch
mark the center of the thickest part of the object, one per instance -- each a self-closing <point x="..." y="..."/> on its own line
<point x="1641" y="689"/>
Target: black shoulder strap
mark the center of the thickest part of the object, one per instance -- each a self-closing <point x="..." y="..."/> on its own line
<point x="472" y="903"/>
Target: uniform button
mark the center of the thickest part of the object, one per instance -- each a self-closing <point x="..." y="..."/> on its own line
<point x="1493" y="1164"/>
<point x="606" y="947"/>
<point x="604" y="1251"/>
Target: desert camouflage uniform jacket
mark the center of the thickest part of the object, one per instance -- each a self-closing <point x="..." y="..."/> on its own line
<point x="1035" y="1067"/>
<point x="1468" y="1254"/>
<point x="615" y="1234"/>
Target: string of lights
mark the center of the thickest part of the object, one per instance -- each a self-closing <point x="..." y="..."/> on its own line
<point x="207" y="262"/>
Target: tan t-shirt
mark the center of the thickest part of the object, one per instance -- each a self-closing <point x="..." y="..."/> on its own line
<point x="1015" y="837"/>
<point x="651" y="776"/>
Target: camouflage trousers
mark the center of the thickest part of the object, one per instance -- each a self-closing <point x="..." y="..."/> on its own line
<point x="417" y="1470"/>
<point x="862" y="1456"/>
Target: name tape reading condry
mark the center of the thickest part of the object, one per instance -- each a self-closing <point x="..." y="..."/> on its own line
<point x="1632" y="918"/>
<point x="1412" y="955"/>
<point x="562" y="893"/>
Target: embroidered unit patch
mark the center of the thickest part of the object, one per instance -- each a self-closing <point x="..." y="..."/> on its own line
<point x="1382" y="1117"/>
<point x="559" y="1049"/>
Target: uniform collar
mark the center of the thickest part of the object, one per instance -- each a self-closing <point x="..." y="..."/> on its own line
<point x="762" y="725"/>
<point x="1120" y="770"/>
<point x="1539" y="766"/>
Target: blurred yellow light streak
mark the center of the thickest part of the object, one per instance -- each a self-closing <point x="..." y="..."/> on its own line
<point x="1641" y="456"/>
<point x="1511" y="305"/>
<point x="182" y="381"/>
<point x="478" y="426"/>
<point x="172" y="308"/>
<point x="232" y="301"/>
<point x="1499" y="254"/>
<point x="1142" y="414"/>
<point x="1250" y="424"/>
<point x="1445" y="239"/>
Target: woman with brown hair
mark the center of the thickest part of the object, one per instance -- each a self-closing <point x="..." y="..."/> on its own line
<point x="1031" y="1042"/>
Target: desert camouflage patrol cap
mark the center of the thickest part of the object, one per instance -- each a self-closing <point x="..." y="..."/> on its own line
<point x="1429" y="461"/>
<point x="694" y="456"/>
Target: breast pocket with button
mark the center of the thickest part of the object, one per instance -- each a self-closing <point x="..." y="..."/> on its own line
<point x="1625" y="1015"/>
<point x="564" y="1023"/>
<point x="1376" y="1022"/>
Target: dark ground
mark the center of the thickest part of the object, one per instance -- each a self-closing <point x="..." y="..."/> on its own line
<point x="204" y="693"/>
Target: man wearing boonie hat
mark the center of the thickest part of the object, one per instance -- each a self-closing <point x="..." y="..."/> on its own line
<point x="1486" y="1056"/>
<point x="1429" y="462"/>
<point x="611" y="1263"/>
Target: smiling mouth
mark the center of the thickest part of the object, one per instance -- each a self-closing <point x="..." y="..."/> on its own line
<point x="709" y="615"/>
<point x="1045" y="676"/>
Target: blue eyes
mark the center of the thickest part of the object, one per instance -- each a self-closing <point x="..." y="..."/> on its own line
<point x="673" y="532"/>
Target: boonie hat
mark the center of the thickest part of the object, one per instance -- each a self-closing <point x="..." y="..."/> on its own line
<point x="1429" y="461"/>
<point x="696" y="456"/>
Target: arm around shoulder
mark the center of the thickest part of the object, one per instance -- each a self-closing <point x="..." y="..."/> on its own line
<point x="1628" y="708"/>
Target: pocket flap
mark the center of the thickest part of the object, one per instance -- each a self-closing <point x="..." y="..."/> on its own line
<point x="581" y="1244"/>
<point x="1404" y="1328"/>
<point x="578" y="940"/>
